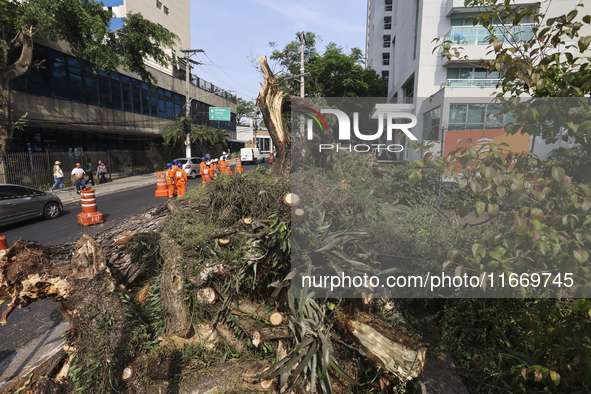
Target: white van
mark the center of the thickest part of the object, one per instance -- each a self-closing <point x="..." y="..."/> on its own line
<point x="251" y="155"/>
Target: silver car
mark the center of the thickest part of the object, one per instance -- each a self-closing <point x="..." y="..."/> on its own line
<point x="21" y="203"/>
<point x="191" y="166"/>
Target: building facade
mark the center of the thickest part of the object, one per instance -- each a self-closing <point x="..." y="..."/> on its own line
<point x="445" y="95"/>
<point x="73" y="109"/>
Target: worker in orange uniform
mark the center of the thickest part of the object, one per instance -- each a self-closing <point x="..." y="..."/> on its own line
<point x="202" y="166"/>
<point x="215" y="168"/>
<point x="181" y="180"/>
<point x="170" y="180"/>
<point x="227" y="167"/>
<point x="207" y="174"/>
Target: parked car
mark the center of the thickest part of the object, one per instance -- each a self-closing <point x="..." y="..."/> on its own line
<point x="19" y="203"/>
<point x="191" y="166"/>
<point x="251" y="155"/>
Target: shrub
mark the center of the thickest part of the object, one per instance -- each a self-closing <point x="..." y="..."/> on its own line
<point x="575" y="162"/>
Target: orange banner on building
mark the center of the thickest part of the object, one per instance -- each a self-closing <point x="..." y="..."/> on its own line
<point x="518" y="143"/>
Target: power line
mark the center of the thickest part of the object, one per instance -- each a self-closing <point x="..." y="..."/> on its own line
<point x="227" y="74"/>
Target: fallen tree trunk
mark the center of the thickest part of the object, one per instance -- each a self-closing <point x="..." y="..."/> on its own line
<point x="224" y="378"/>
<point x="391" y="348"/>
<point x="173" y="288"/>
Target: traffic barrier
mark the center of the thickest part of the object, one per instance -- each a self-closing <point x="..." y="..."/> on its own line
<point x="238" y="169"/>
<point x="161" y="189"/>
<point x="3" y="243"/>
<point x="89" y="214"/>
<point x="271" y="160"/>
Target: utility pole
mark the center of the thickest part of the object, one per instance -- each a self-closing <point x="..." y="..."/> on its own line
<point x="188" y="53"/>
<point x="302" y="41"/>
<point x="301" y="74"/>
<point x="255" y="127"/>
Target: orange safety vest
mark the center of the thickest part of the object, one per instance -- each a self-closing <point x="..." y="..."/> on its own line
<point x="206" y="174"/>
<point x="201" y="167"/>
<point x="181" y="177"/>
<point x="170" y="176"/>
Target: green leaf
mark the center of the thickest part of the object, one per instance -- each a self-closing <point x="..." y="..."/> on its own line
<point x="480" y="206"/>
<point x="555" y="377"/>
<point x="558" y="174"/>
<point x="462" y="208"/>
<point x="580" y="255"/>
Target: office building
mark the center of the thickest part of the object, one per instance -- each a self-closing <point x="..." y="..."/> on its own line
<point x="445" y="95"/>
<point x="73" y="109"/>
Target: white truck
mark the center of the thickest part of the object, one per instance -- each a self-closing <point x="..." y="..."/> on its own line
<point x="251" y="155"/>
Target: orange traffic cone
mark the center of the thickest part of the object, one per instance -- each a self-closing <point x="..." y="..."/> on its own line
<point x="161" y="189"/>
<point x="238" y="169"/>
<point x="89" y="213"/>
<point x="271" y="160"/>
<point x="3" y="243"/>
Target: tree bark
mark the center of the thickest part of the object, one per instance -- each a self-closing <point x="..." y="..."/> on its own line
<point x="392" y="348"/>
<point x="273" y="103"/>
<point x="173" y="288"/>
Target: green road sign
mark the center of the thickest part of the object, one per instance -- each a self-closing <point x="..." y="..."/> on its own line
<point x="219" y="113"/>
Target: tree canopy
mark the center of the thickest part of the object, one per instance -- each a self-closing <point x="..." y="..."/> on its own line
<point x="177" y="129"/>
<point x="244" y="108"/>
<point x="334" y="73"/>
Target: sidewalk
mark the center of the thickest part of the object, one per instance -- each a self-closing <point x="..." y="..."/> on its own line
<point x="69" y="195"/>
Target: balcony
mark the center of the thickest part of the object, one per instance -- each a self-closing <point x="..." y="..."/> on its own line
<point x="470" y="83"/>
<point x="458" y="6"/>
<point x="478" y="35"/>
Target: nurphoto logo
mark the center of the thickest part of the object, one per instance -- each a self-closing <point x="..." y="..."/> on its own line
<point x="391" y="119"/>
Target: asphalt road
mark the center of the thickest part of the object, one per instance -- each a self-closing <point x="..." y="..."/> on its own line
<point x="26" y="324"/>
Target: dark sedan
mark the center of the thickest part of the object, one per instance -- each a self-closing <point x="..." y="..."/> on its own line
<point x="19" y="203"/>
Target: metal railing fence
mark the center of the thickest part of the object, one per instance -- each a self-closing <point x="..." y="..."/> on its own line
<point x="36" y="169"/>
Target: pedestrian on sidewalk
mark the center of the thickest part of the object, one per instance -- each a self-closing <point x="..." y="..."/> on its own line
<point x="58" y="176"/>
<point x="79" y="173"/>
<point x="101" y="171"/>
<point x="89" y="171"/>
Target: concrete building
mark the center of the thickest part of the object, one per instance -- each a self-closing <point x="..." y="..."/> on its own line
<point x="71" y="108"/>
<point x="445" y="95"/>
<point x="247" y="135"/>
<point x="173" y="15"/>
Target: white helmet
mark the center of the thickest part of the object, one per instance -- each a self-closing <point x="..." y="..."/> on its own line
<point x="207" y="163"/>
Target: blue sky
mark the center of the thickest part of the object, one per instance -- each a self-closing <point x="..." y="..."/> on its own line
<point x="232" y="31"/>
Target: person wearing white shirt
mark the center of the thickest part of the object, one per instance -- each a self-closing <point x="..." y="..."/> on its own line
<point x="79" y="173"/>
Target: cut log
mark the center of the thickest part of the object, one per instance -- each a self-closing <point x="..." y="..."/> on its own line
<point x="391" y="348"/>
<point x="259" y="334"/>
<point x="230" y="338"/>
<point x="173" y="288"/>
<point x="276" y="319"/>
<point x="291" y="199"/>
<point x="247" y="308"/>
<point x="206" y="296"/>
<point x="299" y="212"/>
<point x="224" y="241"/>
